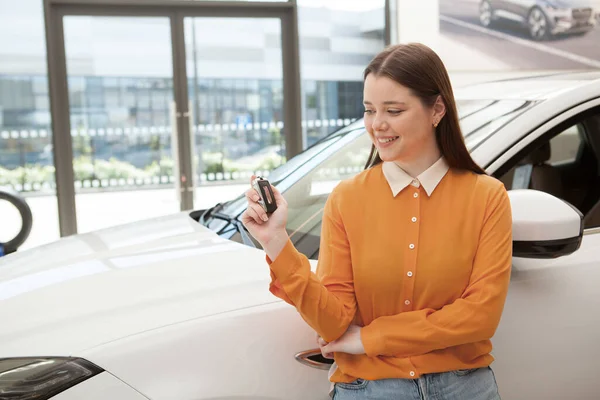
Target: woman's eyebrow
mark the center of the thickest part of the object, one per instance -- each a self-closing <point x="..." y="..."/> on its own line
<point x="387" y="102"/>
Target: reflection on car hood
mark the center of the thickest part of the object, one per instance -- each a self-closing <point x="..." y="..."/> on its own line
<point x="90" y="289"/>
<point x="525" y="89"/>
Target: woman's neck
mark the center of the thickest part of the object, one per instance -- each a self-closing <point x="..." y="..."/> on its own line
<point x="420" y="164"/>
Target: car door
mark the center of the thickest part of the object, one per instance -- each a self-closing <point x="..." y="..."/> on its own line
<point x="547" y="339"/>
<point x="546" y="345"/>
<point x="518" y="9"/>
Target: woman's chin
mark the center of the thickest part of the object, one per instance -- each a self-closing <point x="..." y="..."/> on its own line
<point x="388" y="154"/>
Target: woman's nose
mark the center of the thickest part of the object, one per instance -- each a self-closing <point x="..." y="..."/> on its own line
<point x="379" y="124"/>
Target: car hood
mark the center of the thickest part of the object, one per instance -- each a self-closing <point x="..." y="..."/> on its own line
<point x="86" y="290"/>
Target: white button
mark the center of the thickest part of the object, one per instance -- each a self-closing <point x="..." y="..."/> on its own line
<point x="409" y="273"/>
<point x="407" y="302"/>
<point x="412" y="246"/>
<point x="412" y="373"/>
<point x="416" y="195"/>
<point x="414" y="219"/>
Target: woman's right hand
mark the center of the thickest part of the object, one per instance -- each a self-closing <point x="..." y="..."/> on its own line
<point x="322" y="343"/>
<point x="262" y="227"/>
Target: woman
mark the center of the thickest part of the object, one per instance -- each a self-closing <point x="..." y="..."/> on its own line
<point x="415" y="251"/>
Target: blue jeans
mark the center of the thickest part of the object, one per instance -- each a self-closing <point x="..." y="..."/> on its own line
<point x="474" y="384"/>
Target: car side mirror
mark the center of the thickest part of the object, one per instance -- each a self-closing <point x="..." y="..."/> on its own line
<point x="544" y="226"/>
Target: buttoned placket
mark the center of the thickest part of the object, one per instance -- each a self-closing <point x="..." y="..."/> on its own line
<point x="410" y="264"/>
<point x="410" y="260"/>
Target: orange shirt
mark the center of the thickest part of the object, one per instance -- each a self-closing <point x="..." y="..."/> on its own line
<point x="423" y="267"/>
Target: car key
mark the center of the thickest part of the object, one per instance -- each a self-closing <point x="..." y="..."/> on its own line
<point x="267" y="198"/>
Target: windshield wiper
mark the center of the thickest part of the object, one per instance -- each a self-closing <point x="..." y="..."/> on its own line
<point x="208" y="213"/>
<point x="214" y="212"/>
<point x="238" y="225"/>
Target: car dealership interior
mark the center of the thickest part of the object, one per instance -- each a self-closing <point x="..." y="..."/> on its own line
<point x="114" y="112"/>
<point x="130" y="131"/>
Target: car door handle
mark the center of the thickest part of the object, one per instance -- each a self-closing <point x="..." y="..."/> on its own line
<point x="313" y="358"/>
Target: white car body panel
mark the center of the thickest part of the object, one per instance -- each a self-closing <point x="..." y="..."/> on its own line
<point x="100" y="387"/>
<point x="545" y="332"/>
<point x="172" y="311"/>
<point x="520" y="89"/>
<point x="533" y="221"/>
<point x="68" y="303"/>
<point x="540" y="87"/>
<point x="222" y="356"/>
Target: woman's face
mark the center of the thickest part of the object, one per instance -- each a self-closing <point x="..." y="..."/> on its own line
<point x="400" y="126"/>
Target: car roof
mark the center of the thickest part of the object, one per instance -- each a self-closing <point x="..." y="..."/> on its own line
<point x="534" y="88"/>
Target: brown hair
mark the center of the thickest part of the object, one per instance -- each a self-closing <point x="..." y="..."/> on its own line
<point x="418" y="68"/>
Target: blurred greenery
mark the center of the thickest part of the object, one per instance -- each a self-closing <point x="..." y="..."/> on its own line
<point x="85" y="169"/>
<point x="27" y="174"/>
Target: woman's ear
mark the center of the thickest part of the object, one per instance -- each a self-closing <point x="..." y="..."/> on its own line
<point x="439" y="110"/>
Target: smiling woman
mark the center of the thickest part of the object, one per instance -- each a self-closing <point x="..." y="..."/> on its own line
<point x="400" y="99"/>
<point x="383" y="327"/>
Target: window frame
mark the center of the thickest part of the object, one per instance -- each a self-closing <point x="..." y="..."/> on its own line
<point x="545" y="133"/>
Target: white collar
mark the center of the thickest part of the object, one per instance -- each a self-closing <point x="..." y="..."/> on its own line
<point x="398" y="179"/>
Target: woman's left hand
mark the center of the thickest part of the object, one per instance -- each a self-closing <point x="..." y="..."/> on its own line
<point x="350" y="343"/>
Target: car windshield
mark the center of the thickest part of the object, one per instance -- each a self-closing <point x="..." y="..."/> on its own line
<point x="307" y="179"/>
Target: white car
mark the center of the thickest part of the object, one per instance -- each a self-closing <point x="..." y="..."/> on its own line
<point x="178" y="307"/>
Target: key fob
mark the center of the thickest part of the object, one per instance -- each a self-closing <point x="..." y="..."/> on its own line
<point x="267" y="198"/>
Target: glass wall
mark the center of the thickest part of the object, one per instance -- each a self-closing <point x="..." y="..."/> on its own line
<point x="338" y="38"/>
<point x="121" y="111"/>
<point x="235" y="92"/>
<point x="26" y="161"/>
<point x="120" y="79"/>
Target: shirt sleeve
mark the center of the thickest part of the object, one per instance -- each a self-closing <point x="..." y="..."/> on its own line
<point x="473" y="317"/>
<point x="324" y="299"/>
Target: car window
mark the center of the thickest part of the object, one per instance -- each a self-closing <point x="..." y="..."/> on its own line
<point x="540" y="168"/>
<point x="308" y="182"/>
<point x="307" y="198"/>
<point x="281" y="172"/>
<point x="565" y="146"/>
<point x="564" y="166"/>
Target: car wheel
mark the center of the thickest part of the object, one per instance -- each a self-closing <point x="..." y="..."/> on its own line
<point x="538" y="25"/>
<point x="486" y="13"/>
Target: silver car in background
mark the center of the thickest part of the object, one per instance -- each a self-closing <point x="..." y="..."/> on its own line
<point x="543" y="18"/>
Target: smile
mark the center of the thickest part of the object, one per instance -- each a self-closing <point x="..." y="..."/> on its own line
<point x="387" y="140"/>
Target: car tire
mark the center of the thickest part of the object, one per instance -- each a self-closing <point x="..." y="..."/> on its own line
<point x="486" y="14"/>
<point x="23" y="208"/>
<point x="538" y="25"/>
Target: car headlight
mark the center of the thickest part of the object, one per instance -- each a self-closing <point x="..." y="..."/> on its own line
<point x="42" y="377"/>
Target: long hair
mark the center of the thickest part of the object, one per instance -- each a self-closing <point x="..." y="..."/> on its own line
<point x="418" y="68"/>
